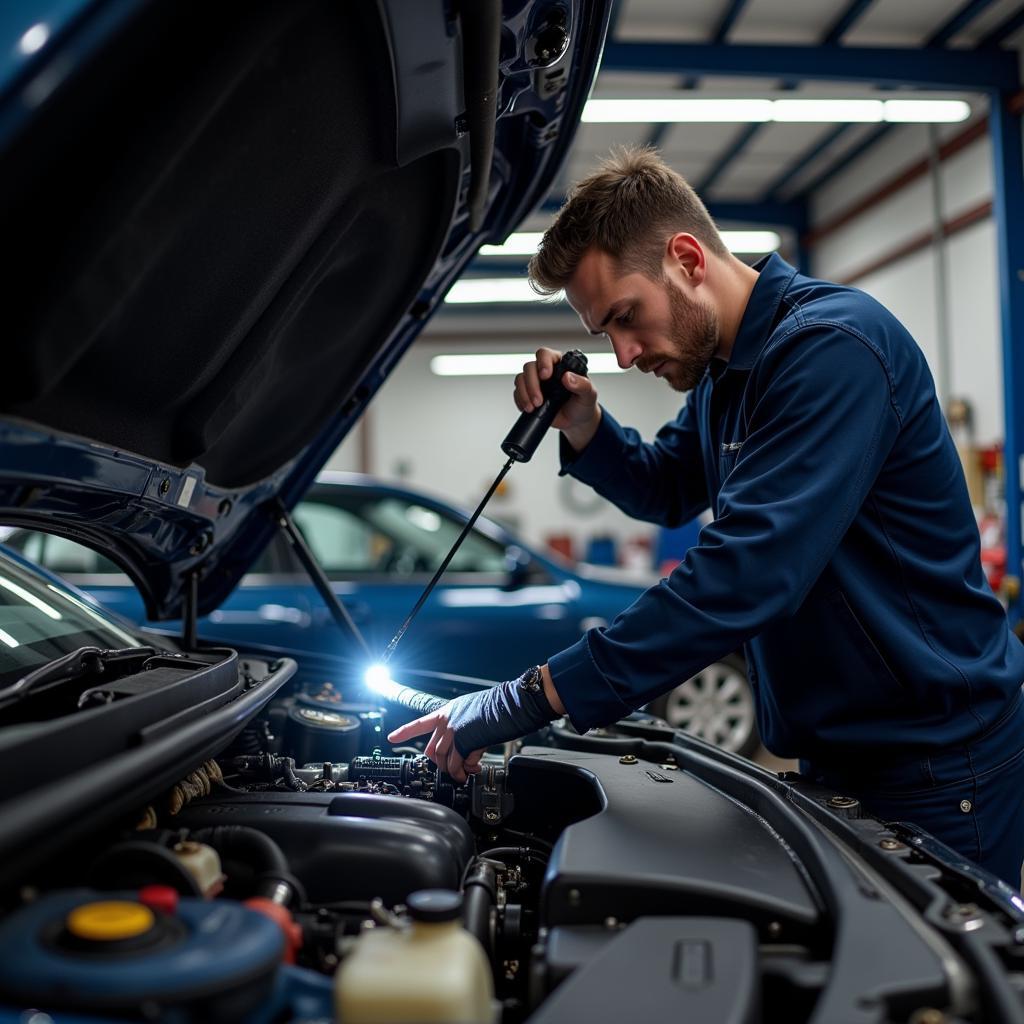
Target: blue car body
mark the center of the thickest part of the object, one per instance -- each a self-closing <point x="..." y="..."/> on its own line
<point x="510" y="610"/>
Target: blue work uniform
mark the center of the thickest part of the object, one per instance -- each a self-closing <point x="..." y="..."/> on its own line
<point x="843" y="557"/>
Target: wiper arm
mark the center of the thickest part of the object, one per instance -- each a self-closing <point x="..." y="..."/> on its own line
<point x="79" y="662"/>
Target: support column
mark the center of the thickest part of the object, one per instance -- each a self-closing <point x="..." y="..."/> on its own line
<point x="1008" y="211"/>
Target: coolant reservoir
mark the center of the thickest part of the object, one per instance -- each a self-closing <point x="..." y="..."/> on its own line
<point x="432" y="971"/>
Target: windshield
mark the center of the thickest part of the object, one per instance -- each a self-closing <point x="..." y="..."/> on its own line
<point x="40" y="621"/>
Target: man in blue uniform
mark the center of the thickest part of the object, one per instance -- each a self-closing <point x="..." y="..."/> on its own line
<point x="843" y="555"/>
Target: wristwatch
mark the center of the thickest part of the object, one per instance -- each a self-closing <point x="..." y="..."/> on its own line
<point x="532" y="680"/>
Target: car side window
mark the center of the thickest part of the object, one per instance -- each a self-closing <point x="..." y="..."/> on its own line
<point x="352" y="533"/>
<point x="60" y="555"/>
<point x="426" y="535"/>
<point x="342" y="541"/>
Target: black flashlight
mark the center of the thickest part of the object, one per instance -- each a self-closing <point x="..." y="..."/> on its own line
<point x="530" y="428"/>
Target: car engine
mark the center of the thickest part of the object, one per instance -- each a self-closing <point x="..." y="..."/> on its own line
<point x="305" y="870"/>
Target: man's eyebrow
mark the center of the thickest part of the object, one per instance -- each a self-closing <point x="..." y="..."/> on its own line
<point x="609" y="315"/>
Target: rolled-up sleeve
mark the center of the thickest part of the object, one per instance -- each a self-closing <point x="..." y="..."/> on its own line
<point x="822" y="420"/>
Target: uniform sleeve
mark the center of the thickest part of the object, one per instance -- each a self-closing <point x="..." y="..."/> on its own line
<point x="662" y="482"/>
<point x="820" y="427"/>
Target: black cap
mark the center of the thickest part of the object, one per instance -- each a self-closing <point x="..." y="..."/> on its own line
<point x="434" y="905"/>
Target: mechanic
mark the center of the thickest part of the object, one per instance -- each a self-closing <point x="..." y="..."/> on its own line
<point x="843" y="555"/>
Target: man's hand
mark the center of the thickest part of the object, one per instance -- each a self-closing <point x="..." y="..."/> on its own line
<point x="579" y="417"/>
<point x="465" y="727"/>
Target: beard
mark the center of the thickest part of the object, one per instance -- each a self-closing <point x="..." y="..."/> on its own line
<point x="693" y="340"/>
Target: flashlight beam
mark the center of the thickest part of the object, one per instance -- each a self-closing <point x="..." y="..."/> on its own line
<point x="444" y="565"/>
<point x="378" y="679"/>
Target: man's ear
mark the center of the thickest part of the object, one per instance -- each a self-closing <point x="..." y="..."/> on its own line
<point x="686" y="255"/>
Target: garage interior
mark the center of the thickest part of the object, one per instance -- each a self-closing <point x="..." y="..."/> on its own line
<point x="919" y="215"/>
<point x="223" y="798"/>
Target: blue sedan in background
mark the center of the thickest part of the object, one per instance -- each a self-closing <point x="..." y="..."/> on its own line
<point x="500" y="607"/>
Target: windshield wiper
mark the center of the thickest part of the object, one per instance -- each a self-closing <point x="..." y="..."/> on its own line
<point x="79" y="662"/>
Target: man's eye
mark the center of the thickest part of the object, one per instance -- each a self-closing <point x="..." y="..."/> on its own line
<point x="626" y="318"/>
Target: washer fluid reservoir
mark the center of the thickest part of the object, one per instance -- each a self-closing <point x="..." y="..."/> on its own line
<point x="430" y="972"/>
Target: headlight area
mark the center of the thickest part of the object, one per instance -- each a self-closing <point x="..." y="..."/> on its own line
<point x="310" y="871"/>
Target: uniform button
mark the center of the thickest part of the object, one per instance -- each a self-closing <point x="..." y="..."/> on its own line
<point x="965" y="806"/>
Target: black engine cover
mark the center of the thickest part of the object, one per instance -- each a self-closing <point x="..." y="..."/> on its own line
<point x="351" y="846"/>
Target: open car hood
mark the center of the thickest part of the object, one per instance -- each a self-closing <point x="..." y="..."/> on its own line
<point x="227" y="223"/>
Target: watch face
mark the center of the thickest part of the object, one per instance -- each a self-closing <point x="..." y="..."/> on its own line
<point x="531" y="678"/>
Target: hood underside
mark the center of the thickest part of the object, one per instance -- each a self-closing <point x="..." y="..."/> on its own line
<point x="229" y="221"/>
<point x="212" y="229"/>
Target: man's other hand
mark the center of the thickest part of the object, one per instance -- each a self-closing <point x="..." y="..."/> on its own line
<point x="578" y="419"/>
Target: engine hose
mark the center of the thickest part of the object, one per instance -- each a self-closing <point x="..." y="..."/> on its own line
<point x="479" y="898"/>
<point x="291" y="780"/>
<point x="259" y="852"/>
<point x="521" y="852"/>
<point x="249" y="741"/>
<point x="200" y="783"/>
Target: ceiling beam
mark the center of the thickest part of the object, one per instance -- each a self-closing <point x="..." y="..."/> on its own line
<point x="747" y="135"/>
<point x="722" y="29"/>
<point x="959" y="21"/>
<point x="936" y="41"/>
<point x="846" y="20"/>
<point x="1005" y="28"/>
<point x="805" y="159"/>
<point x="893" y="66"/>
<point x="725" y="24"/>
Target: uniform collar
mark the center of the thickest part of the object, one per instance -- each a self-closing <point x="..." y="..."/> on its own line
<point x="762" y="312"/>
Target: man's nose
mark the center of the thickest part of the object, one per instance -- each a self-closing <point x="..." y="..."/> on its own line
<point x="626" y="352"/>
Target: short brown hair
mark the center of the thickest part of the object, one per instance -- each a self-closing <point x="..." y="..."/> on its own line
<point x="628" y="208"/>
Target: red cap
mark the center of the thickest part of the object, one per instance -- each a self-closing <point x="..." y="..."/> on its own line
<point x="162" y="898"/>
<point x="290" y="928"/>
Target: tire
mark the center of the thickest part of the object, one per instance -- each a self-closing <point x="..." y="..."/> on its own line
<point x="716" y="705"/>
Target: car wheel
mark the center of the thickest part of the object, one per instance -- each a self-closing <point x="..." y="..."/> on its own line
<point x="716" y="704"/>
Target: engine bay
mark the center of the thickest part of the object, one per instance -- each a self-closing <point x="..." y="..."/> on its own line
<point x="296" y="872"/>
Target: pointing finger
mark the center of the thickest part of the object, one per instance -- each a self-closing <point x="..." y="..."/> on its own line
<point x="415" y="728"/>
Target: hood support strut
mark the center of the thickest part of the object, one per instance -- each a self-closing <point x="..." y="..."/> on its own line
<point x="338" y="611"/>
<point x="190" y="611"/>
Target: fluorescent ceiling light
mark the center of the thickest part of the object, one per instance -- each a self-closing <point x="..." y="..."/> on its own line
<point x="675" y="110"/>
<point x="520" y="243"/>
<point x="508" y="364"/>
<point x="822" y="111"/>
<point x="939" y="111"/>
<point x="525" y="243"/>
<point x="497" y="289"/>
<point x="8" y="639"/>
<point x="827" y="110"/>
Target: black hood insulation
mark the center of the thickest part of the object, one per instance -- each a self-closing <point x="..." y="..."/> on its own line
<point x="214" y="235"/>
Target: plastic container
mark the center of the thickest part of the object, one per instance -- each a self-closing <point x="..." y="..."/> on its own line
<point x="431" y="972"/>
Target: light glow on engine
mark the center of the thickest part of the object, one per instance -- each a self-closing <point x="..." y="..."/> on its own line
<point x="378" y="678"/>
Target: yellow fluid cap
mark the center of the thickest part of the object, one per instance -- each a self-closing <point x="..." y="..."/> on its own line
<point x="110" y="920"/>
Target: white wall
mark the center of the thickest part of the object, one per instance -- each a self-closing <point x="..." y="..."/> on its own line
<point x="908" y="286"/>
<point x="444" y="434"/>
